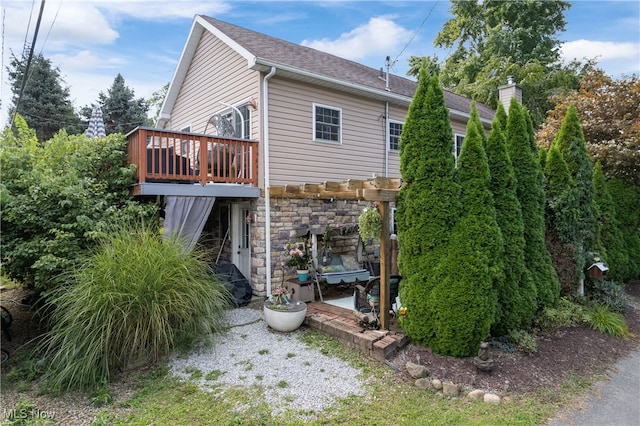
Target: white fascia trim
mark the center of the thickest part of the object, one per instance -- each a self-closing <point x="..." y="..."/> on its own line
<point x="251" y="59"/>
<point x="466" y="116"/>
<point x="179" y="74"/>
<point x="334" y="81"/>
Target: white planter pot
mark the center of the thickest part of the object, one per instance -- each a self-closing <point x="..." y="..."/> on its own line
<point x="285" y="320"/>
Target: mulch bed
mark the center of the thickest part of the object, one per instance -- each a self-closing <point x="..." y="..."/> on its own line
<point x="577" y="350"/>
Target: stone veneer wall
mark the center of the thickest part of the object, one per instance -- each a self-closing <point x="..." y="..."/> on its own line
<point x="291" y="219"/>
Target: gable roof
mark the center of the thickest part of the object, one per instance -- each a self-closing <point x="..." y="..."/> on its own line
<point x="295" y="61"/>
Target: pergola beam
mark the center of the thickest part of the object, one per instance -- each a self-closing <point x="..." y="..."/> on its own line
<point x="380" y="190"/>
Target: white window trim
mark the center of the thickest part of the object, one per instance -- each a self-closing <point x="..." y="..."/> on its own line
<point x="389" y="135"/>
<point x="229" y="111"/>
<point x="313" y="124"/>
<point x="453" y="151"/>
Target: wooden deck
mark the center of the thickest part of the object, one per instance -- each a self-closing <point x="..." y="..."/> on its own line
<point x="341" y="324"/>
<point x="182" y="157"/>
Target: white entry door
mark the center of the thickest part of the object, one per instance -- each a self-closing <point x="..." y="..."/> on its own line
<point x="241" y="238"/>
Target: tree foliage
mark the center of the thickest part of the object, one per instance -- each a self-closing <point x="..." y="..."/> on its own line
<point x="465" y="296"/>
<point x="57" y="198"/>
<point x="494" y="39"/>
<point x="530" y="192"/>
<point x="610" y="244"/>
<point x="609" y="112"/>
<point x="627" y="210"/>
<point x="516" y="292"/>
<point x="122" y="112"/>
<point x="45" y="103"/>
<point x="428" y="203"/>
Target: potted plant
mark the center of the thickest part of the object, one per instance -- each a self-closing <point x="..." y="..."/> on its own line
<point x="298" y="255"/>
<point x="281" y="314"/>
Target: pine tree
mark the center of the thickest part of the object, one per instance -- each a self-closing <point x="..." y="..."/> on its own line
<point x="428" y="203"/>
<point x="517" y="292"/>
<point x="121" y="111"/>
<point x="530" y="192"/>
<point x="465" y="299"/>
<point x="45" y="103"/>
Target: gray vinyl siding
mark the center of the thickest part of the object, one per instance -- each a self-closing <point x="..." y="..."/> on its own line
<point x="216" y="74"/>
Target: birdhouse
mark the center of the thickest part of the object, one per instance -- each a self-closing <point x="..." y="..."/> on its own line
<point x="597" y="270"/>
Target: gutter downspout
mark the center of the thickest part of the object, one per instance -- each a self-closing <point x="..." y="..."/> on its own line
<point x="386" y="138"/>
<point x="267" y="176"/>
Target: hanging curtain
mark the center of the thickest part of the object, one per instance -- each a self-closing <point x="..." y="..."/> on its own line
<point x="185" y="218"/>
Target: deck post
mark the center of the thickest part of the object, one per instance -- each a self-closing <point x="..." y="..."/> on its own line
<point x="385" y="263"/>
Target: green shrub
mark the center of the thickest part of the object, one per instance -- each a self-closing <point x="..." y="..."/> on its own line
<point x="607" y="293"/>
<point x="605" y="321"/>
<point x="524" y="341"/>
<point x="132" y="301"/>
<point x="565" y="314"/>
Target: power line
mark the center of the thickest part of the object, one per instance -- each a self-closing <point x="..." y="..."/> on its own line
<point x="415" y="33"/>
<point x="51" y="27"/>
<point x="25" y="75"/>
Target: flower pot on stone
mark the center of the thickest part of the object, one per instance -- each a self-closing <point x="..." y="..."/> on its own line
<point x="284" y="317"/>
<point x="303" y="275"/>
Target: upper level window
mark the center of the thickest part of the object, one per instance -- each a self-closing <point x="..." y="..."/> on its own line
<point x="395" y="128"/>
<point x="327" y="123"/>
<point x="239" y="119"/>
<point x="457" y="146"/>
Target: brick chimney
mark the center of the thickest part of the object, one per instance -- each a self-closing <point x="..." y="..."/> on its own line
<point x="508" y="91"/>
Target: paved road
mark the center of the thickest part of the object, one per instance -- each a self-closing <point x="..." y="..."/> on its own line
<point x="615" y="402"/>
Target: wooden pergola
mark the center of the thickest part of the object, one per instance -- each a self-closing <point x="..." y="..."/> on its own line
<point x="382" y="191"/>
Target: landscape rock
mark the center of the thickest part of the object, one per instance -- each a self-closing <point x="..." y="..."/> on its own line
<point x="450" y="389"/>
<point x="476" y="394"/>
<point x="423" y="383"/>
<point x="416" y="371"/>
<point x="436" y="384"/>
<point x="491" y="398"/>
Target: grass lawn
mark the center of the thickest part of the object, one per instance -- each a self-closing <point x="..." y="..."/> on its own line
<point x="164" y="400"/>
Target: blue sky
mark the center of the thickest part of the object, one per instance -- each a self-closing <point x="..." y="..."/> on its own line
<point x="91" y="41"/>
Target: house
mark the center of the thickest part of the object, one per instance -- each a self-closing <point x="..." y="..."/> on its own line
<point x="256" y="113"/>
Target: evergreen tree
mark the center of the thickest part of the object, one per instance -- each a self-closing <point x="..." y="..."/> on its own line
<point x="121" y="111"/>
<point x="517" y="292"/>
<point x="45" y="103"/>
<point x="561" y="208"/>
<point x="464" y="299"/>
<point x="530" y="192"/>
<point x="609" y="241"/>
<point x="570" y="142"/>
<point x="627" y="211"/>
<point x="428" y="203"/>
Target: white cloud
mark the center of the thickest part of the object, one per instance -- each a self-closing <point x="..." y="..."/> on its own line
<point x="153" y="10"/>
<point x="85" y="60"/>
<point x="616" y="57"/>
<point x="380" y="36"/>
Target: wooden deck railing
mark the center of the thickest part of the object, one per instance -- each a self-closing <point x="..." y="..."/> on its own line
<point x="167" y="156"/>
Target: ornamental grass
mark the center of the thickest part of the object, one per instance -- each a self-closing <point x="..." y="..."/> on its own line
<point x="136" y="298"/>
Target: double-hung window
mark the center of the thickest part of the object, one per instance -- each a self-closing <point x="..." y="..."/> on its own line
<point x="395" y="128"/>
<point x="327" y="123"/>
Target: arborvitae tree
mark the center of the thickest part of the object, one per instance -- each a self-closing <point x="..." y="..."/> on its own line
<point x="428" y="203"/>
<point x="561" y="208"/>
<point x="121" y="111"/>
<point x="530" y="192"/>
<point x="570" y="141"/>
<point x="45" y="103"/>
<point x="465" y="298"/>
<point x="627" y="209"/>
<point x="609" y="240"/>
<point x="517" y="292"/>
